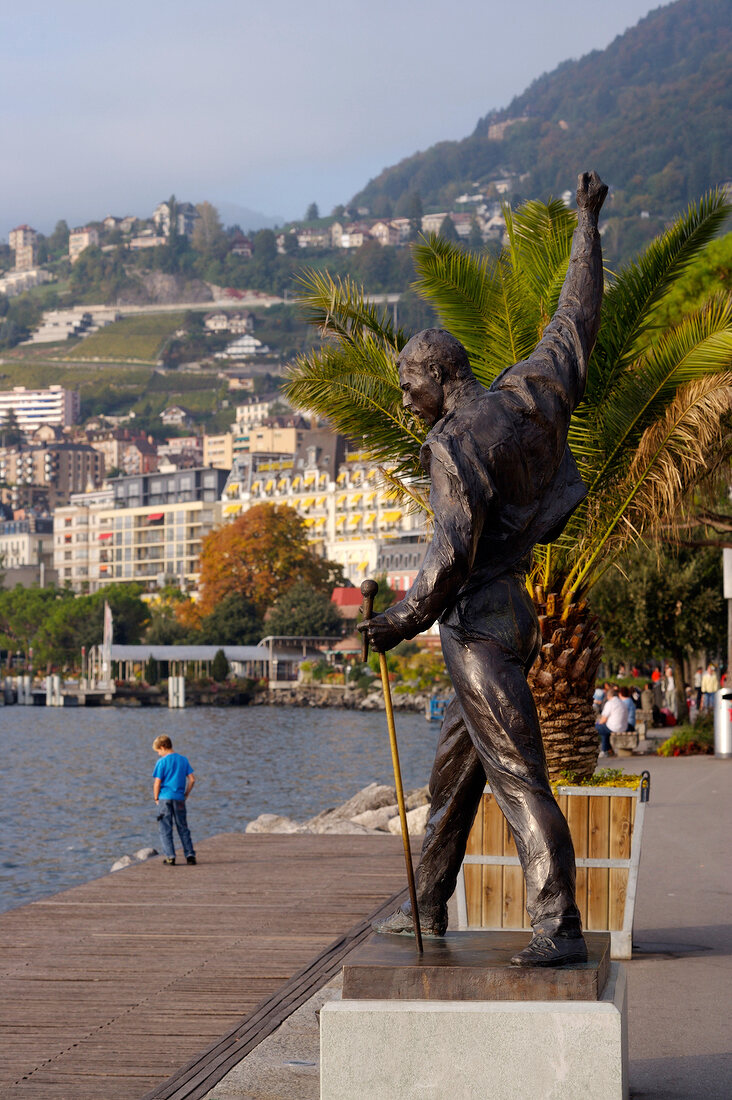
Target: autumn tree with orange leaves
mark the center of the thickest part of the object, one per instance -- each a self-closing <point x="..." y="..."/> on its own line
<point x="260" y="556"/>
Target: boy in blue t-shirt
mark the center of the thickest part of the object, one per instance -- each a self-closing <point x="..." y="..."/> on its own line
<point x="173" y="781"/>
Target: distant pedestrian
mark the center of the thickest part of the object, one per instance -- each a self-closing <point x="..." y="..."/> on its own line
<point x="629" y="704"/>
<point x="173" y="781"/>
<point x="614" y="719"/>
<point x="598" y="698"/>
<point x="656" y="675"/>
<point x="709" y="686"/>
<point x="698" y="686"/>
<point x="670" y="690"/>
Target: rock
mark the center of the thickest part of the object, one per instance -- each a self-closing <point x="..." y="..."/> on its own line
<point x="416" y="822"/>
<point x="372" y="797"/>
<point x="125" y="861"/>
<point x="376" y="819"/>
<point x="273" y="823"/>
<point x="145" y="853"/>
<point x="418" y="797"/>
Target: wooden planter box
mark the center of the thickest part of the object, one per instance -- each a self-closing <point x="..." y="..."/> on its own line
<point x="606" y="824"/>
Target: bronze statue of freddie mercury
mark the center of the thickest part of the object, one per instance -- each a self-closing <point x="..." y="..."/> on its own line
<point x="502" y="480"/>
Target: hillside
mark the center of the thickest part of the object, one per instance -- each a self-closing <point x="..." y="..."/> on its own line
<point x="652" y="114"/>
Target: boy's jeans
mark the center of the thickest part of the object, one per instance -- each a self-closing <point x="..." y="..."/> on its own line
<point x="170" y="810"/>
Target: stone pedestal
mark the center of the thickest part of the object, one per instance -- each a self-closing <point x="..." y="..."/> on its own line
<point x="381" y="1047"/>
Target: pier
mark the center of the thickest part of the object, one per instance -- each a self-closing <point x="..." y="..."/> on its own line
<point x="109" y="988"/>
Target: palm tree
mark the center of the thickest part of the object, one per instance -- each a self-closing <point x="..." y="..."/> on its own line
<point x="650" y="426"/>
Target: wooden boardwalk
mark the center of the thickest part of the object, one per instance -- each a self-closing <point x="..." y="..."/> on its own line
<point x="107" y="989"/>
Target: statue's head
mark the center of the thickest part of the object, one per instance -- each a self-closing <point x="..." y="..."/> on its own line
<point x="430" y="366"/>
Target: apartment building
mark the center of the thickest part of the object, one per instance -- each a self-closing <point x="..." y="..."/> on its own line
<point x="80" y="240"/>
<point x="23" y="241"/>
<point x="218" y="451"/>
<point x="60" y="468"/>
<point x="32" y="408"/>
<point x="147" y="529"/>
<point x="26" y="542"/>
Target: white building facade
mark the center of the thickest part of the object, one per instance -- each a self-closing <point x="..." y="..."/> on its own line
<point x="32" y="408"/>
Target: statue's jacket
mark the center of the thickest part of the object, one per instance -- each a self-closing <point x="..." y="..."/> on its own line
<point x="502" y="478"/>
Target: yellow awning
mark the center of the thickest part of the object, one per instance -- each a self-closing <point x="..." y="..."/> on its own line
<point x="354" y="519"/>
<point x="321" y="501"/>
<point x="282" y="482"/>
<point x="340" y="500"/>
<point x="295" y="482"/>
<point x="341" y="477"/>
<point x="269" y="485"/>
<point x="391" y="517"/>
<point x="354" y="500"/>
<point x="308" y="502"/>
<point x="372" y="474"/>
<point x="256" y="486"/>
<point x="356" y="475"/>
<point x="363" y="565"/>
<point x="233" y="487"/>
<point x="340" y="520"/>
<point x="370" y="497"/>
<point x="230" y="509"/>
<point x="309" y="479"/>
<point x="320" y="521"/>
<point x="369" y="519"/>
<point x="309" y="521"/>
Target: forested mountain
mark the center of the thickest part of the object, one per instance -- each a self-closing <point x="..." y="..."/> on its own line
<point x="652" y="114"/>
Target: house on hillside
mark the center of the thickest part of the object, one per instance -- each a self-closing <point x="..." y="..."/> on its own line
<point x="243" y="348"/>
<point x="175" y="416"/>
<point x="80" y="240"/>
<point x="186" y="218"/>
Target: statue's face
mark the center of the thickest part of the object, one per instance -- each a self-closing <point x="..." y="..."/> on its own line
<point x="422" y="389"/>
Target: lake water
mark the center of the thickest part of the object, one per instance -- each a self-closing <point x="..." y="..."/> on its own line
<point x="77" y="783"/>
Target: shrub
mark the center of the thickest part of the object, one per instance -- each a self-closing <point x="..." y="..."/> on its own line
<point x="688" y="741"/>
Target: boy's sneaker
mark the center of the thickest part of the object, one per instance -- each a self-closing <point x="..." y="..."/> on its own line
<point x="190" y="859"/>
<point x="169" y="861"/>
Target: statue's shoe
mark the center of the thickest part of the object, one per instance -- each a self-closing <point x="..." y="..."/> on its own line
<point x="552" y="951"/>
<point x="401" y="924"/>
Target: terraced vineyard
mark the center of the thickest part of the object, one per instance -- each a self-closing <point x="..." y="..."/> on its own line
<point x="133" y="339"/>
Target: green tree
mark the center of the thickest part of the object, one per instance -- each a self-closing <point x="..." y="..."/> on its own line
<point x="58" y="242"/>
<point x="79" y="621"/>
<point x="663" y="602"/>
<point x="23" y="612"/>
<point x="312" y="214"/>
<point x="220" y="667"/>
<point x="649" y="427"/>
<point x="233" y="621"/>
<point x="448" y="232"/>
<point x="305" y="611"/>
<point x="208" y="235"/>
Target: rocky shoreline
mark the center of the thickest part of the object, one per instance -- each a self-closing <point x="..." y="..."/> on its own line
<point x="372" y="810"/>
<point x="320" y="695"/>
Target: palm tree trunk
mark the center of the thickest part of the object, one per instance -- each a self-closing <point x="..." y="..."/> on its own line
<point x="562" y="681"/>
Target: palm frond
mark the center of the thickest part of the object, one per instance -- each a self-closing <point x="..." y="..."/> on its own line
<point x="338" y="307"/>
<point x="700" y="344"/>
<point x="539" y="242"/>
<point x="686" y="443"/>
<point x="629" y="300"/>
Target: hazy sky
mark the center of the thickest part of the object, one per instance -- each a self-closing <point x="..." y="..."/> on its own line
<point x="111" y="107"/>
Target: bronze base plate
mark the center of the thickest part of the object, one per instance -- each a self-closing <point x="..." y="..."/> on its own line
<point x="469" y="966"/>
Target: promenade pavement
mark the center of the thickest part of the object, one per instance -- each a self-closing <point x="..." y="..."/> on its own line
<point x="680" y="977"/>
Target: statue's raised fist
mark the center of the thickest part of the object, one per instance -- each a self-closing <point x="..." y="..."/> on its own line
<point x="591" y="192"/>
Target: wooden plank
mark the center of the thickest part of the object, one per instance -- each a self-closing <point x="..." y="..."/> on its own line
<point x="578" y="820"/>
<point x="513" y="885"/>
<point x="621" y="811"/>
<point x="598" y="847"/>
<point x="492" y="877"/>
<point x="473" y="876"/>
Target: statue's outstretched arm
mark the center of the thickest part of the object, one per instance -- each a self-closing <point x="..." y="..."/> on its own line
<point x="581" y="295"/>
<point x="551" y="382"/>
